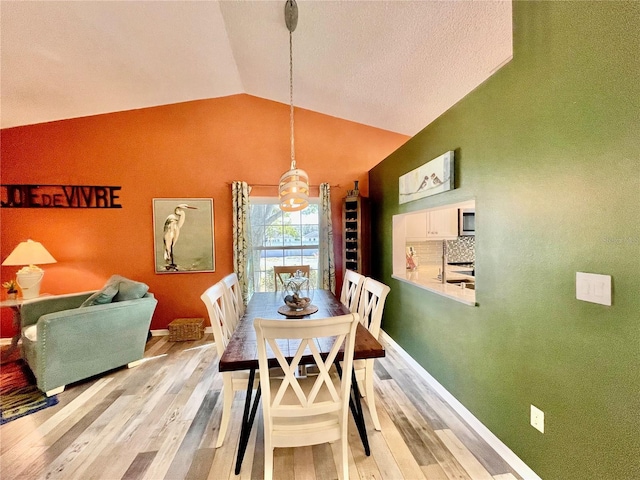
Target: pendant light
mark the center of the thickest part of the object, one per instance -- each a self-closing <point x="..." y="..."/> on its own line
<point x="293" y="190"/>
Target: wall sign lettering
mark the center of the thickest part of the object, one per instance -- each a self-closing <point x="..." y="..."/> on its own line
<point x="59" y="196"/>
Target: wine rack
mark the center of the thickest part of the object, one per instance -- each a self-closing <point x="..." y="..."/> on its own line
<point x="355" y="234"/>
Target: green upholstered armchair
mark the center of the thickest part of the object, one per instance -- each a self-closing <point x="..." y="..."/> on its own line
<point x="63" y="342"/>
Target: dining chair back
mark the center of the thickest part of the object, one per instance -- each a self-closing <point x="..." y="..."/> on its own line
<point x="217" y="301"/>
<point x="371" y="304"/>
<point x="351" y="288"/>
<point x="224" y="322"/>
<point x="235" y="295"/>
<point x="309" y="410"/>
<point x="283" y="272"/>
<point x="370" y="307"/>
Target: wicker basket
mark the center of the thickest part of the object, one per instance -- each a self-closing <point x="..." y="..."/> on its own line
<point x="182" y="329"/>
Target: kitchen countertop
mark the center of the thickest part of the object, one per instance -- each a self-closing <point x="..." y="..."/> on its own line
<point x="425" y="277"/>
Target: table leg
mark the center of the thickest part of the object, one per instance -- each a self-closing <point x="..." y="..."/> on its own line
<point x="14" y="345"/>
<point x="247" y="418"/>
<point x="16" y="338"/>
<point x="359" y="418"/>
<point x="356" y="409"/>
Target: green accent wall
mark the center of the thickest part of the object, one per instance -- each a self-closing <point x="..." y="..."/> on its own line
<point x="549" y="147"/>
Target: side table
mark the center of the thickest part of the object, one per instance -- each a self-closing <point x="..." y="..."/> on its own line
<point x="16" y="305"/>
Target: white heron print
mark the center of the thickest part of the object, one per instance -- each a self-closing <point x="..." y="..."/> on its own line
<point x="183" y="232"/>
<point x="172" y="226"/>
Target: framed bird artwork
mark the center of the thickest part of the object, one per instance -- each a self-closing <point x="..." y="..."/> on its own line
<point x="435" y="176"/>
<point x="183" y="234"/>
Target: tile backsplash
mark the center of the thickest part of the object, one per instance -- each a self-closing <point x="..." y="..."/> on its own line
<point x="462" y="249"/>
<point x="429" y="252"/>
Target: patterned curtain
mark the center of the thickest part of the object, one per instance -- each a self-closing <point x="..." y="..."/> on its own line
<point x="242" y="263"/>
<point x="326" y="264"/>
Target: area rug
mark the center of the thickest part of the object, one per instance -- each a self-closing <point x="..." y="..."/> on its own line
<point x="19" y="395"/>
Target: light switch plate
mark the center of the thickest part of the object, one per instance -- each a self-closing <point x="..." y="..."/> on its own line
<point x="537" y="418"/>
<point x="592" y="287"/>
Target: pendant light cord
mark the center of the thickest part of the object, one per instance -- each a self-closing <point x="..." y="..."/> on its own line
<point x="293" y="154"/>
<point x="293" y="190"/>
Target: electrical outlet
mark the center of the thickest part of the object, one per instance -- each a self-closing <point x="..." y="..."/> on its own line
<point x="537" y="418"/>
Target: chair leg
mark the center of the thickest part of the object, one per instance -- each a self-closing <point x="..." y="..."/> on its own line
<point x="228" y="393"/>
<point x="55" y="391"/>
<point x="268" y="462"/>
<point x="135" y="363"/>
<point x="370" y="398"/>
<point x="361" y="387"/>
<point x="343" y="467"/>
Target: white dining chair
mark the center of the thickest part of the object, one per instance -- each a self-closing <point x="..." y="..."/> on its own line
<point x="351" y="288"/>
<point x="282" y="273"/>
<point x="309" y="410"/>
<point x="235" y="295"/>
<point x="221" y="315"/>
<point x="370" y="306"/>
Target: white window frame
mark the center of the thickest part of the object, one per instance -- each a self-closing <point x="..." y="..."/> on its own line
<point x="261" y="270"/>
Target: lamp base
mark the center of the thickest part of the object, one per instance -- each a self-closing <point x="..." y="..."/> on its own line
<point x="29" y="283"/>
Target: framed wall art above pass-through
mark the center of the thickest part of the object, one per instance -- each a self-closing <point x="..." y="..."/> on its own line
<point x="435" y="176"/>
<point x="183" y="234"/>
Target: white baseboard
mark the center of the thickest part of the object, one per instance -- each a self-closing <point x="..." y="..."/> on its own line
<point x="505" y="452"/>
<point x="5" y="341"/>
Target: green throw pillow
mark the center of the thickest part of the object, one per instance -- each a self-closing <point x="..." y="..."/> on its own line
<point x="128" y="289"/>
<point x="101" y="297"/>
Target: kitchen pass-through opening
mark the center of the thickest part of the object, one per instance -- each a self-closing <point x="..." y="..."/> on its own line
<point x="434" y="249"/>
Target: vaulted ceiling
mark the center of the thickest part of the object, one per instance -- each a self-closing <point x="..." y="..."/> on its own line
<point x="396" y="65"/>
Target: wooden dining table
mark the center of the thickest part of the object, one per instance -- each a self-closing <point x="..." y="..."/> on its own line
<point x="242" y="354"/>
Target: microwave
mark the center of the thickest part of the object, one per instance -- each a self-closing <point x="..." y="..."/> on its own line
<point x="467" y="222"/>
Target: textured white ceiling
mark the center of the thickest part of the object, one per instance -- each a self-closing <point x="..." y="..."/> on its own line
<point x="395" y="65"/>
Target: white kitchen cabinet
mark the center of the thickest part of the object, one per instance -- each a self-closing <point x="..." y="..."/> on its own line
<point x="442" y="224"/>
<point x="432" y="225"/>
<point x="416" y="226"/>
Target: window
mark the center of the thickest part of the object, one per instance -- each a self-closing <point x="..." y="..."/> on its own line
<point x="282" y="238"/>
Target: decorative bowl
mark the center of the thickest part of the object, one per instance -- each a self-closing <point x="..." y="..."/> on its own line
<point x="298" y="293"/>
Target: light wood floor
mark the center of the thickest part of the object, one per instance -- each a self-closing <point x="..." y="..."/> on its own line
<point x="160" y="421"/>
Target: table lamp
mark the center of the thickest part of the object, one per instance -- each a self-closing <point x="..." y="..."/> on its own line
<point x="29" y="253"/>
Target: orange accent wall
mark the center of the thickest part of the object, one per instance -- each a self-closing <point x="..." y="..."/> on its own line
<point x="192" y="149"/>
